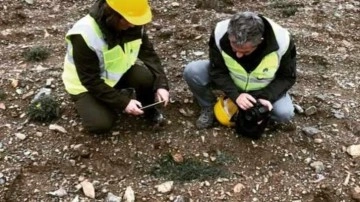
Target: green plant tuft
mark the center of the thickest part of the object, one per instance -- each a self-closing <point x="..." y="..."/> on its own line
<point x="187" y="170"/>
<point x="37" y="53"/>
<point x="287" y="8"/>
<point x="44" y="109"/>
<point x="2" y="94"/>
<point x="290" y="11"/>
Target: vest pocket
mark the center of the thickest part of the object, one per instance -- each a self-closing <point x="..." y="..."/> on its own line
<point x="115" y="60"/>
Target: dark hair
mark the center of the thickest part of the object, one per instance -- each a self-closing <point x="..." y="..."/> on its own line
<point x="246" y="27"/>
<point x="104" y="14"/>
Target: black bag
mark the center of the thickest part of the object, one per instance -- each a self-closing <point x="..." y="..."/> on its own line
<point x="252" y="122"/>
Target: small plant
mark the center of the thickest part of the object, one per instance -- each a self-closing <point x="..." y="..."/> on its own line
<point x="187" y="170"/>
<point x="44" y="109"/>
<point x="36" y="53"/>
<point x="287" y="8"/>
<point x="290" y="11"/>
<point x="2" y="94"/>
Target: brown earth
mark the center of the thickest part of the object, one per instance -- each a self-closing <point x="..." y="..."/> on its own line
<point x="274" y="168"/>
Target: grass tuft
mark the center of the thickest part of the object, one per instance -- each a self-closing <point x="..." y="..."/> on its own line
<point x="44" y="109"/>
<point x="2" y="94"/>
<point x="189" y="169"/>
<point x="290" y="11"/>
<point x="37" y="54"/>
<point x="287" y="8"/>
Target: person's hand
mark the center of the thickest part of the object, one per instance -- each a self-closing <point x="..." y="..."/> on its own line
<point x="134" y="108"/>
<point x="162" y="95"/>
<point x="245" y="101"/>
<point x="266" y="103"/>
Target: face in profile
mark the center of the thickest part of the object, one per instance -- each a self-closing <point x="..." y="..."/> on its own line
<point x="123" y="24"/>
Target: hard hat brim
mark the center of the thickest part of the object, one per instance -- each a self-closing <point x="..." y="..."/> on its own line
<point x="140" y="20"/>
<point x="222" y="115"/>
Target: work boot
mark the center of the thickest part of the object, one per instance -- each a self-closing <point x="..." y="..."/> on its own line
<point x="155" y="116"/>
<point x="206" y="118"/>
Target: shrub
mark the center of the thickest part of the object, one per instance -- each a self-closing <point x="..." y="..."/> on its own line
<point x="44" y="109"/>
<point x="37" y="53"/>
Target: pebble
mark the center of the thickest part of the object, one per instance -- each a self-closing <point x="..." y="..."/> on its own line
<point x="20" y="136"/>
<point x="311" y="131"/>
<point x="353" y="150"/>
<point x="318" y="166"/>
<point x="310" y="111"/>
<point x="112" y="198"/>
<point x="318" y="140"/>
<point x="179" y="199"/>
<point x="2" y="179"/>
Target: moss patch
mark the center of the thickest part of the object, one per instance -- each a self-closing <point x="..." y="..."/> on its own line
<point x="189" y="169"/>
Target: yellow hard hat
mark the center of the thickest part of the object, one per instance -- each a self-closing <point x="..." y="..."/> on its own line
<point x="136" y="12"/>
<point x="224" y="110"/>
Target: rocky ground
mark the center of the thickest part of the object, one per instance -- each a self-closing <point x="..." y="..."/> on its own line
<point x="315" y="161"/>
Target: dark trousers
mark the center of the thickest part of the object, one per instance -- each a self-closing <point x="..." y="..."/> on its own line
<point x="97" y="117"/>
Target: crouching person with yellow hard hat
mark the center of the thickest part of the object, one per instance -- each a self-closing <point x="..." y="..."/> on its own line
<point x="253" y="61"/>
<point x="102" y="49"/>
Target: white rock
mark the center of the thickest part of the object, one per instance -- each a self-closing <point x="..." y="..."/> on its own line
<point x="59" y="193"/>
<point x="57" y="128"/>
<point x="318" y="166"/>
<point x="88" y="189"/>
<point x="318" y="140"/>
<point x="198" y="53"/>
<point x="29" y="1"/>
<point x="354" y="150"/>
<point x="112" y="198"/>
<point x="76" y="199"/>
<point x="165" y="187"/>
<point x="20" y="136"/>
<point x="238" y="187"/>
<point x="129" y="195"/>
<point x="175" y="4"/>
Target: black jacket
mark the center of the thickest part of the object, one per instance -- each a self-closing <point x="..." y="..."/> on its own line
<point x="87" y="62"/>
<point x="285" y="76"/>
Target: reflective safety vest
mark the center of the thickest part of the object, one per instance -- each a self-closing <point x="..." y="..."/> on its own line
<point x="264" y="73"/>
<point x="113" y="63"/>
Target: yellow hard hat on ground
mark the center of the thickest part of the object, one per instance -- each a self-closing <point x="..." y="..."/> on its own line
<point x="224" y="110"/>
<point x="136" y="12"/>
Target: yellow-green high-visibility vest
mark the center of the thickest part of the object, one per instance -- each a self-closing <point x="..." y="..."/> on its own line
<point x="113" y="63"/>
<point x="264" y="73"/>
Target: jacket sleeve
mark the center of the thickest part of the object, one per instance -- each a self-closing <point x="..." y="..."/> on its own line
<point x="149" y="57"/>
<point x="285" y="77"/>
<point x="219" y="73"/>
<point x="87" y="67"/>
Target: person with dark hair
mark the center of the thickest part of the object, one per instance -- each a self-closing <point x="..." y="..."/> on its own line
<point x="252" y="60"/>
<point x="101" y="72"/>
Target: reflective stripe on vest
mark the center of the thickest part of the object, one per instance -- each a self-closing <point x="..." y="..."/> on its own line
<point x="113" y="63"/>
<point x="265" y="72"/>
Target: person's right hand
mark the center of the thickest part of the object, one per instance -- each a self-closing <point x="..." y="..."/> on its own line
<point x="134" y="108"/>
<point x="245" y="101"/>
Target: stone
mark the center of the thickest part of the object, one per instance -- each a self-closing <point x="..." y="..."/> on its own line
<point x="165" y="187"/>
<point x="354" y="150"/>
<point x="112" y="198"/>
<point x="310" y="111"/>
<point x="311" y="131"/>
<point x="88" y="189"/>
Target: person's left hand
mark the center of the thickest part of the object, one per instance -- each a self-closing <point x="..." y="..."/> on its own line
<point x="162" y="95"/>
<point x="266" y="103"/>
